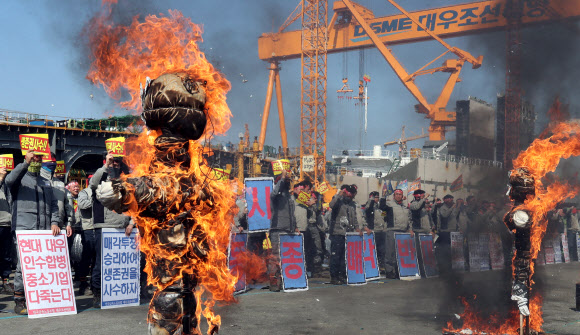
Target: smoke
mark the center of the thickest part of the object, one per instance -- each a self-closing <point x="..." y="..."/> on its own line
<point x="549" y="64"/>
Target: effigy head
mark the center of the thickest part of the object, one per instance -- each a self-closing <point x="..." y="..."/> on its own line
<point x="174" y="104"/>
<point x="522" y="184"/>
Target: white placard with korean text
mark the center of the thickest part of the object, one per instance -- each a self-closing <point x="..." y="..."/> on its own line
<point x="120" y="269"/>
<point x="308" y="163"/>
<point x="46" y="273"/>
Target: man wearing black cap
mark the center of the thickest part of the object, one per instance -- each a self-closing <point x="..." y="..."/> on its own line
<point x="398" y="221"/>
<point x="445" y="215"/>
<point x="421" y="217"/>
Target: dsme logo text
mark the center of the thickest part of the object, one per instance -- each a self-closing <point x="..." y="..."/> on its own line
<point x="385" y="26"/>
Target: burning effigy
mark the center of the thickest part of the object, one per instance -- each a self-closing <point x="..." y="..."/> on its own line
<point x="183" y="213"/>
<point x="527" y="219"/>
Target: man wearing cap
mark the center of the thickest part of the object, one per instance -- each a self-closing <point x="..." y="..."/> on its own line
<point x="343" y="219"/>
<point x="398" y="221"/>
<point x="421" y="221"/>
<point x="283" y="221"/>
<point x="34" y="207"/>
<point x="444" y="227"/>
<point x="375" y="221"/>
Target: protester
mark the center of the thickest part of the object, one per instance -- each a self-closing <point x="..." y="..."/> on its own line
<point x="34" y="208"/>
<point x="573" y="230"/>
<point x="375" y="221"/>
<point x="5" y="236"/>
<point x="283" y="221"/>
<point x="344" y="219"/>
<point x="305" y="216"/>
<point x="398" y="221"/>
<point x="421" y="218"/>
<point x="445" y="215"/>
<point x="104" y="217"/>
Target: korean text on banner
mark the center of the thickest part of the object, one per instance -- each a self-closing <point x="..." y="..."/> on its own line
<point x="237" y="248"/>
<point x="46" y="273"/>
<point x="457" y="253"/>
<point x="257" y="195"/>
<point x="60" y="168"/>
<point x="120" y="269"/>
<point x="36" y="142"/>
<point x="292" y="258"/>
<point x="496" y="252"/>
<point x="474" y="255"/>
<point x="370" y="257"/>
<point x="406" y="256"/>
<point x="303" y="198"/>
<point x="116" y="146"/>
<point x="307" y="163"/>
<point x="557" y="248"/>
<point x="429" y="262"/>
<point x="484" y="252"/>
<point x="355" y="265"/>
<point x="280" y="165"/>
<point x="323" y="187"/>
<point x="565" y="250"/>
<point x="7" y="161"/>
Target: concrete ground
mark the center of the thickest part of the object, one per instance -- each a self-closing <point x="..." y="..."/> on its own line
<point x="381" y="307"/>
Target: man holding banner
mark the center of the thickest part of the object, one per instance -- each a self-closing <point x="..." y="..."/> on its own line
<point x="5" y="235"/>
<point x="398" y="221"/>
<point x="375" y="221"/>
<point x="34" y="208"/>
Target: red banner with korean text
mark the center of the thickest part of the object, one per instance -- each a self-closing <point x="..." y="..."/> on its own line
<point x="116" y="146"/>
<point x="46" y="273"/>
<point x="36" y="142"/>
<point x="7" y="161"/>
<point x="406" y="256"/>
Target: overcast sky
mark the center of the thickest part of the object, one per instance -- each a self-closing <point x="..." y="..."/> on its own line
<point x="43" y="68"/>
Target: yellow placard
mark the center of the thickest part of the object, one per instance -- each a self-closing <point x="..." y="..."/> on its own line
<point x="7" y="161"/>
<point x="116" y="146"/>
<point x="221" y="174"/>
<point x="60" y="168"/>
<point x="303" y="198"/>
<point x="280" y="165"/>
<point x="323" y="187"/>
<point x="36" y="142"/>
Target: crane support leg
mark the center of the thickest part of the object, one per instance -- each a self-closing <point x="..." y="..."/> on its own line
<point x="281" y="112"/>
<point x="266" y="113"/>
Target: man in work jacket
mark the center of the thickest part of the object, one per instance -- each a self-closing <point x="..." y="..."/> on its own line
<point x="375" y="221"/>
<point x="446" y="223"/>
<point x="6" y="243"/>
<point x="421" y="222"/>
<point x="343" y="219"/>
<point x="398" y="221"/>
<point x="34" y="208"/>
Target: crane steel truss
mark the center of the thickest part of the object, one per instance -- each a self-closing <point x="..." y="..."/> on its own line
<point x="313" y="86"/>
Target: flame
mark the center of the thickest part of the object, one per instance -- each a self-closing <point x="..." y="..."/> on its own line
<point x="123" y="56"/>
<point x="561" y="140"/>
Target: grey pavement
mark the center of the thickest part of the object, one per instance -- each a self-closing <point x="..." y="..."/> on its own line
<point x="382" y="307"/>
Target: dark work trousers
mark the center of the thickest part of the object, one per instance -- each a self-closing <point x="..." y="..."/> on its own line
<point x="312" y="248"/>
<point x="381" y="244"/>
<point x="93" y="241"/>
<point x="6" y="246"/>
<point x="88" y="257"/>
<point x="337" y="257"/>
<point x="273" y="262"/>
<point x="443" y="253"/>
<point x="572" y="245"/>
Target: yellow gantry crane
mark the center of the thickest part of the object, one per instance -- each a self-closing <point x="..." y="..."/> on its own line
<point x="353" y="27"/>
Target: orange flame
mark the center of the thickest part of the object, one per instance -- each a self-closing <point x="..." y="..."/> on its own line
<point x="123" y="57"/>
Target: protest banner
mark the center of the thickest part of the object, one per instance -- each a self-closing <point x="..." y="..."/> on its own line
<point x="36" y="142"/>
<point x="370" y="257"/>
<point x="116" y="146"/>
<point x="496" y="252"/>
<point x="257" y="195"/>
<point x="402" y="185"/>
<point x="238" y="244"/>
<point x="355" y="265"/>
<point x="484" y="252"/>
<point x="293" y="266"/>
<point x="307" y="163"/>
<point x="280" y="165"/>
<point x="429" y="262"/>
<point x="407" y="257"/>
<point x="46" y="273"/>
<point x="457" y="255"/>
<point x="415" y="185"/>
<point x="555" y="239"/>
<point x="303" y="198"/>
<point x="120" y="268"/>
<point x="474" y="254"/>
<point x="578" y="245"/>
<point x="221" y="174"/>
<point x="541" y="260"/>
<point x="7" y="161"/>
<point x="548" y="250"/>
<point x="565" y="251"/>
<point x="457" y="184"/>
<point x="60" y="169"/>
